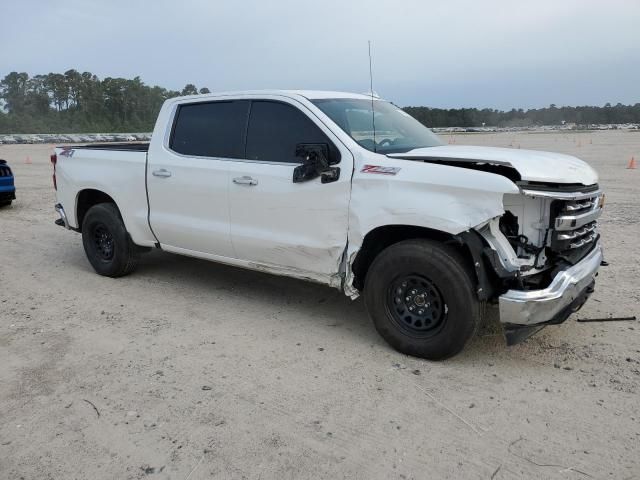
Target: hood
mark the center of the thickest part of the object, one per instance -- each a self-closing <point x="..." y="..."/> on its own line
<point x="532" y="165"/>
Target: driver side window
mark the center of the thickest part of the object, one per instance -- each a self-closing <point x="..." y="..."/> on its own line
<point x="276" y="128"/>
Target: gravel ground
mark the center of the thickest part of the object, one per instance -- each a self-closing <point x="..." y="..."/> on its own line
<point x="191" y="370"/>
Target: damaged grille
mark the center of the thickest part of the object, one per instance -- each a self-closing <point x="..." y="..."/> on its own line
<point x="574" y="224"/>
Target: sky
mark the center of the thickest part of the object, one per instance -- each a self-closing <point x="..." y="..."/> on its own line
<point x="448" y="53"/>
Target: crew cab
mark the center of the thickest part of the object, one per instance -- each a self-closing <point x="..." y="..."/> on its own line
<point x="349" y="191"/>
<point x="7" y="185"/>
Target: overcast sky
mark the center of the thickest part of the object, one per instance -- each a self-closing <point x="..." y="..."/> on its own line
<point x="453" y="53"/>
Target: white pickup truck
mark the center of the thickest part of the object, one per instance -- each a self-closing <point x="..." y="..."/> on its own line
<point x="349" y="191"/>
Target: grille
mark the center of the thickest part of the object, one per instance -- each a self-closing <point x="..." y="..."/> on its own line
<point x="5" y="172"/>
<point x="574" y="223"/>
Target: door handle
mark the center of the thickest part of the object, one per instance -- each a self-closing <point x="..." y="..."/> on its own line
<point x="161" y="173"/>
<point x="245" y="180"/>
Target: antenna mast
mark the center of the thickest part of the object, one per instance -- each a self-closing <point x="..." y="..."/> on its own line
<point x="373" y="113"/>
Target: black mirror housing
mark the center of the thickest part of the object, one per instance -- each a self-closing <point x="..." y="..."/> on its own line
<point x="315" y="161"/>
<point x="317" y="153"/>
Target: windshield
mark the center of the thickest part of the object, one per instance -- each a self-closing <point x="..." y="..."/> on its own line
<point x="395" y="130"/>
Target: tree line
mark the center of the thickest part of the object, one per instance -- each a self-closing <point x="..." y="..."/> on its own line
<point x="74" y="102"/>
<point x="551" y="115"/>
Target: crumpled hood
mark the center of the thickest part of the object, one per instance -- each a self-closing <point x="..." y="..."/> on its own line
<point x="532" y="165"/>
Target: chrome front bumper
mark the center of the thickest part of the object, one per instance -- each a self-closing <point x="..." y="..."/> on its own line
<point x="534" y="307"/>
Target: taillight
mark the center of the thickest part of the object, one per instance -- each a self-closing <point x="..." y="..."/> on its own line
<point x="54" y="160"/>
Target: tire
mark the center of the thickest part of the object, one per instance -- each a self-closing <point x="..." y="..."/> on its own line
<point x="6" y="203"/>
<point x="107" y="243"/>
<point x="436" y="281"/>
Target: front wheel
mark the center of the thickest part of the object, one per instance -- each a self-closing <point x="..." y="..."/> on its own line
<point x="421" y="298"/>
<point x="106" y="242"/>
<point x="5" y="203"/>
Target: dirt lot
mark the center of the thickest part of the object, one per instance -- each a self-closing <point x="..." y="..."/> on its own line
<point x="191" y="370"/>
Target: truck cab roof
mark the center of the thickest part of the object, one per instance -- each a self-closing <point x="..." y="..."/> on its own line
<point x="308" y="94"/>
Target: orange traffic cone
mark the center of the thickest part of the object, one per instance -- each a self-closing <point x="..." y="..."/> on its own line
<point x="632" y="164"/>
<point x="27" y="160"/>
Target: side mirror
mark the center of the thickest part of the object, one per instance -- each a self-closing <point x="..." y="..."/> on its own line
<point x="315" y="162"/>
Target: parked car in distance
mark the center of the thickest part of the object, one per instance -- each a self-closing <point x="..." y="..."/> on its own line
<point x="7" y="186"/>
<point x="123" y="137"/>
<point x="301" y="184"/>
<point x="22" y="139"/>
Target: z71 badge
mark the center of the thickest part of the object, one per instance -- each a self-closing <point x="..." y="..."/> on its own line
<point x="380" y="170"/>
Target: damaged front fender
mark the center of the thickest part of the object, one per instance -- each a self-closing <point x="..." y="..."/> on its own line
<point x="438" y="197"/>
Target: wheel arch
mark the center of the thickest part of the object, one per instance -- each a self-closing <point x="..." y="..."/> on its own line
<point x="86" y="199"/>
<point x="382" y="237"/>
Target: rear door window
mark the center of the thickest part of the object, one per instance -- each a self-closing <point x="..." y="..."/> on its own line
<point x="276" y="128"/>
<point x="212" y="129"/>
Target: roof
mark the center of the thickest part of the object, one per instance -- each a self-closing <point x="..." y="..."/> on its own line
<point x="308" y="94"/>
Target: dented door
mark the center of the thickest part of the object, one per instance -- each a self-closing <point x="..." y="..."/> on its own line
<point x="298" y="227"/>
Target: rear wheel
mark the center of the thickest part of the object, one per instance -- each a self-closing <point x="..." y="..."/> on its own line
<point x="106" y="242"/>
<point x="421" y="297"/>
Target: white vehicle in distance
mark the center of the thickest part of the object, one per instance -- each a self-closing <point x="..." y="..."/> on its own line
<point x="305" y="184"/>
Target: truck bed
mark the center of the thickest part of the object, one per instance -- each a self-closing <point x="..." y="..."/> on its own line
<point x="124" y="146"/>
<point x="116" y="169"/>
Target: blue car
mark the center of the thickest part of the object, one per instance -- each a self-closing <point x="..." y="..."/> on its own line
<point x="7" y="188"/>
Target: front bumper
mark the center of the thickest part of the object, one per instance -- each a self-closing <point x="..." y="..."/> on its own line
<point x="567" y="293"/>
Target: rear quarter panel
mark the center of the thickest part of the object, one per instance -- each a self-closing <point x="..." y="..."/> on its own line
<point x="119" y="174"/>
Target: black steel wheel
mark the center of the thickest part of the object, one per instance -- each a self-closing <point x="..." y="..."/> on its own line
<point x="103" y="240"/>
<point x="421" y="296"/>
<point x="106" y="242"/>
<point x="416" y="304"/>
